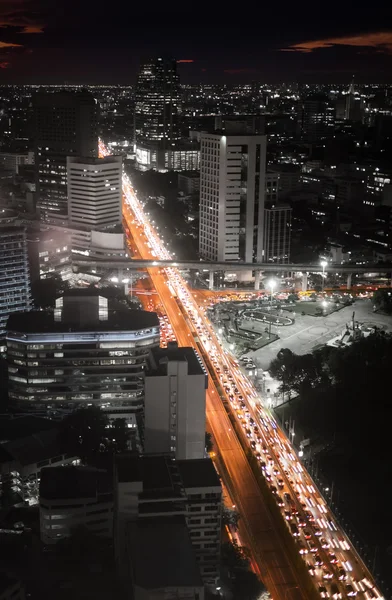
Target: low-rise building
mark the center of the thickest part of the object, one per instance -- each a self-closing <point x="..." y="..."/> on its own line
<point x="161" y="561"/>
<point x="72" y="497"/>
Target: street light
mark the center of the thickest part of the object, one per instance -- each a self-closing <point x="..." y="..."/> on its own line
<point x="271" y="285"/>
<point x="323" y="264"/>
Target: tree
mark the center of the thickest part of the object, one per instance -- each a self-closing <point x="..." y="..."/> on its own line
<point x="84" y="432"/>
<point x="382" y="300"/>
<point x="247" y="586"/>
<point x="292" y="298"/>
<point x="230" y="517"/>
<point x="208" y="443"/>
<point x="234" y="557"/>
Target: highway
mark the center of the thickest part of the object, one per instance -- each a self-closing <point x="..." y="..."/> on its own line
<point x="333" y="564"/>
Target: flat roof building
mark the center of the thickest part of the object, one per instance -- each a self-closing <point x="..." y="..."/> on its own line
<point x="91" y="350"/>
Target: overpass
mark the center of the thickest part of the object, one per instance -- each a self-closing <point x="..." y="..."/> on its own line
<point x="259" y="267"/>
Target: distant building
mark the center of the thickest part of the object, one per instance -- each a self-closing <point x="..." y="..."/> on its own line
<point x="10" y="161"/>
<point x="315" y="119"/>
<point x="11" y="588"/>
<point x="175" y="402"/>
<point x="95" y="191"/>
<point x="232" y="190"/>
<point x="157" y="109"/>
<point x="49" y="254"/>
<point x="75" y="496"/>
<point x="271" y="186"/>
<point x="89" y="351"/>
<point x="189" y="182"/>
<point x="65" y="124"/>
<point x="150" y="487"/>
<point x="161" y="561"/>
<point x="15" y="293"/>
<point x="277" y="233"/>
<point x="289" y="177"/>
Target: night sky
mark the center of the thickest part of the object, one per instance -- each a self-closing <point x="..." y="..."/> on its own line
<point x="58" y="41"/>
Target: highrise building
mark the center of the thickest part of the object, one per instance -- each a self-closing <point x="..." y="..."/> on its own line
<point x="14" y="270"/>
<point x="65" y="124"/>
<point x="157" y="108"/>
<point x="89" y="351"/>
<point x="94" y="191"/>
<point x="175" y="402"/>
<point x="315" y="119"/>
<point x="232" y="188"/>
<point x="277" y="233"/>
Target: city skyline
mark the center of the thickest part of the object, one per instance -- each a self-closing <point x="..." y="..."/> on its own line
<point x="88" y="44"/>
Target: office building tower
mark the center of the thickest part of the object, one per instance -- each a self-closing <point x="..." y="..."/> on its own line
<point x="157" y="108"/>
<point x="65" y="124"/>
<point x="14" y="270"/>
<point x="232" y="189"/>
<point x="91" y="350"/>
<point x="315" y="119"/>
<point x="277" y="233"/>
<point x="94" y="191"/>
<point x="152" y="487"/>
<point x="175" y="402"/>
<point x="271" y="186"/>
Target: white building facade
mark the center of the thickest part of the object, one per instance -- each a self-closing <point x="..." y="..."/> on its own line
<point x="94" y="191"/>
<point x="232" y="189"/>
<point x="175" y="403"/>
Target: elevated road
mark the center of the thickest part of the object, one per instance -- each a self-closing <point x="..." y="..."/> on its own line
<point x="132" y="263"/>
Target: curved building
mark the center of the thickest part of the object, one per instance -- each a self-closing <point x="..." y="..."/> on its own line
<point x="91" y="350"/>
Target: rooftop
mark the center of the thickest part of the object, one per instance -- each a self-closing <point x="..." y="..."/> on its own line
<point x="159" y="357"/>
<point x="6" y="581"/>
<point x="70" y="482"/>
<point x="31" y="449"/>
<point x="151" y="470"/>
<point x="198" y="472"/>
<point x="118" y="320"/>
<point x="15" y="427"/>
<point x="161" y="554"/>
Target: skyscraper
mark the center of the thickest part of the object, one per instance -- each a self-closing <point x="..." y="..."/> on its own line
<point x="277" y="233"/>
<point x="315" y="119"/>
<point x="14" y="270"/>
<point x="232" y="188"/>
<point x="157" y="107"/>
<point x="94" y="191"/>
<point x="65" y="124"/>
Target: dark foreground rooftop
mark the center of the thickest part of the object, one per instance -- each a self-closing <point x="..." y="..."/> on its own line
<point x="198" y="472"/>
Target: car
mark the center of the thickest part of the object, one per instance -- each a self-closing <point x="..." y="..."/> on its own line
<point x="350" y="590"/>
<point x="310" y="568"/>
<point x="288" y="516"/>
<point x="332" y="558"/>
<point x="267" y="475"/>
<point x="307" y="534"/>
<point x="318" y="561"/>
<point x="342" y="574"/>
<point x="256" y="429"/>
<point x="251" y="421"/>
<point x="280" y="482"/>
<point x="253" y="444"/>
<point x="248" y="432"/>
<point x="326" y="574"/>
<point x="309" y="516"/>
<point x="335" y="592"/>
<point x="323" y="591"/>
<point x="302" y="548"/>
<point x="276" y="472"/>
<point x="317" y="531"/>
<point x="312" y="546"/>
<point x="279" y="500"/>
<point x="324" y="543"/>
<point x="273" y="489"/>
<point x="262" y="463"/>
<point x="287" y="497"/>
<point x="294" y="530"/>
<point x="301" y="522"/>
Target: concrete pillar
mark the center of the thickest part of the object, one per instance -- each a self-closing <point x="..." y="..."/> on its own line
<point x="126" y="289"/>
<point x="211" y="282"/>
<point x="349" y="277"/>
<point x="257" y="280"/>
<point x="304" y="282"/>
<point x="120" y="274"/>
